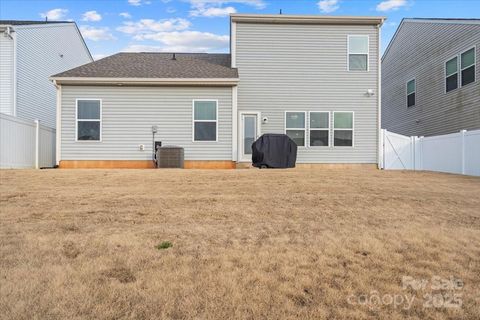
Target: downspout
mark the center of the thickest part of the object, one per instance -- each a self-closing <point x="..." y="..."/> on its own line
<point x="58" y="129"/>
<point x="379" y="100"/>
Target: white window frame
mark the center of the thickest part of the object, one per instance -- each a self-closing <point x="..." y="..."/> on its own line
<point x="414" y="91"/>
<point x="85" y="120"/>
<point x="445" y="74"/>
<point x="305" y="144"/>
<point x="460" y="65"/>
<point x="216" y="121"/>
<point x="320" y="129"/>
<point x="352" y="129"/>
<point x="348" y="52"/>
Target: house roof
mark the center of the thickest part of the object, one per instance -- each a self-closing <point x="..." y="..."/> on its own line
<point x="307" y="19"/>
<point x="29" y="22"/>
<point x="429" y="20"/>
<point x="154" y="65"/>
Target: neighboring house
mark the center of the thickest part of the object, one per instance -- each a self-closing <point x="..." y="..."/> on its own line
<point x="315" y="78"/>
<point x="430" y="77"/>
<point x="30" y="52"/>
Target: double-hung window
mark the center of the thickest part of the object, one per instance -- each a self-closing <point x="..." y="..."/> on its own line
<point x="205" y="120"/>
<point x="89" y="120"/>
<point x="467" y="66"/>
<point x="357" y="53"/>
<point x="411" y="90"/>
<point x="319" y="129"/>
<point x="295" y="127"/>
<point x="342" y="129"/>
<point x="451" y="74"/>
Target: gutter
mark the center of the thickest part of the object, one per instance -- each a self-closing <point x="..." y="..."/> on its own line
<point x="146" y="81"/>
<point x="310" y="19"/>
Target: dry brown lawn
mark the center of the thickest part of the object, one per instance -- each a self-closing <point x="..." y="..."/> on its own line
<point x="247" y="244"/>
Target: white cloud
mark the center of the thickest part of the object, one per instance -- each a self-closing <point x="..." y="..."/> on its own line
<point x="96" y="34"/>
<point x="125" y="15"/>
<point x="171" y="10"/>
<point x="99" y="56"/>
<point x="212" y="12"/>
<point x="258" y="4"/>
<point x="328" y="6"/>
<point x="183" y="41"/>
<point x="391" y="5"/>
<point x="149" y="25"/>
<point x="91" y="16"/>
<point x="54" y="14"/>
<point x="137" y="3"/>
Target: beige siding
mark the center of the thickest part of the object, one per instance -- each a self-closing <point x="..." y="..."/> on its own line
<point x="128" y="115"/>
<point x="43" y="51"/>
<point x="287" y="67"/>
<point x="6" y="74"/>
<point x="420" y="51"/>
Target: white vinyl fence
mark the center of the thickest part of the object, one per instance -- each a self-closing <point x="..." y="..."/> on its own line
<point x="25" y="144"/>
<point x="453" y="153"/>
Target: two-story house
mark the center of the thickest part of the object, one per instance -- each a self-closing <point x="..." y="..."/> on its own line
<point x="315" y="78"/>
<point x="430" y="77"/>
<point x="30" y="52"/>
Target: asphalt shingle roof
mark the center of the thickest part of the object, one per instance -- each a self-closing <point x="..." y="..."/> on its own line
<point x="157" y="65"/>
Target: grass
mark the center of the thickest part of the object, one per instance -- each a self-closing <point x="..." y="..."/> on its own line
<point x="164" y="245"/>
<point x="249" y="244"/>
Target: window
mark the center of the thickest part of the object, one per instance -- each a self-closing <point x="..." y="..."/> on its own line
<point x="89" y="118"/>
<point x="451" y="74"/>
<point x="343" y="129"/>
<point x="467" y="66"/>
<point x="204" y="120"/>
<point x="319" y="129"/>
<point x="295" y="127"/>
<point x="411" y="89"/>
<point x="357" y="53"/>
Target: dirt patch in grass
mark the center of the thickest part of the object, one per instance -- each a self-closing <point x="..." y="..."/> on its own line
<point x="247" y="244"/>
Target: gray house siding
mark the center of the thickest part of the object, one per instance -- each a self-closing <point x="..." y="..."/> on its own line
<point x="128" y="114"/>
<point x="303" y="67"/>
<point x="43" y="50"/>
<point x="420" y="50"/>
<point x="6" y="74"/>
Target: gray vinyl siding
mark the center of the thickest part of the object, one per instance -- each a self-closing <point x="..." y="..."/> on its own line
<point x="38" y="57"/>
<point x="420" y="51"/>
<point x="6" y="74"/>
<point x="128" y="115"/>
<point x="290" y="67"/>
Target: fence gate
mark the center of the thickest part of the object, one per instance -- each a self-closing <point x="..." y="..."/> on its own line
<point x="398" y="153"/>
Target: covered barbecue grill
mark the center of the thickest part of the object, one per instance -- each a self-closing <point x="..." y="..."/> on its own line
<point x="274" y="151"/>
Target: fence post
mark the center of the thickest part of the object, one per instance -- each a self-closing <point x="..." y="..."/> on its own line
<point x="462" y="137"/>
<point x="37" y="143"/>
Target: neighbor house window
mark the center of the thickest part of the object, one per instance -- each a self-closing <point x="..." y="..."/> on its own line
<point x="467" y="66"/>
<point x="89" y="120"/>
<point x="451" y="74"/>
<point x="295" y="127"/>
<point x="204" y="120"/>
<point x="411" y="89"/>
<point x="358" y="53"/>
<point x="319" y="129"/>
<point x="343" y="129"/>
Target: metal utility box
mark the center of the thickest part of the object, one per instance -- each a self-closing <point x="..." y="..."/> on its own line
<point x="170" y="157"/>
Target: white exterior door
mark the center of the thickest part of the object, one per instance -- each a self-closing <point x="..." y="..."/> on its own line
<point x="249" y="132"/>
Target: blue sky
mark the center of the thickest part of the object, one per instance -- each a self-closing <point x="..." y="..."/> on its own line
<point x="110" y="26"/>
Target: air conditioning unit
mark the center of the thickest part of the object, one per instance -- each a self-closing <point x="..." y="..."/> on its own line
<point x="170" y="157"/>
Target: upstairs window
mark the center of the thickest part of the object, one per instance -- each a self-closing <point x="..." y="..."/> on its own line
<point x="295" y="127"/>
<point x="343" y="129"/>
<point x="451" y="74"/>
<point x="467" y="64"/>
<point x="319" y="129"/>
<point x="89" y="120"/>
<point x="357" y="53"/>
<point x="411" y="89"/>
<point x="204" y="120"/>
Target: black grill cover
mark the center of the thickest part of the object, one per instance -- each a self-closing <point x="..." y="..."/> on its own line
<point x="274" y="151"/>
